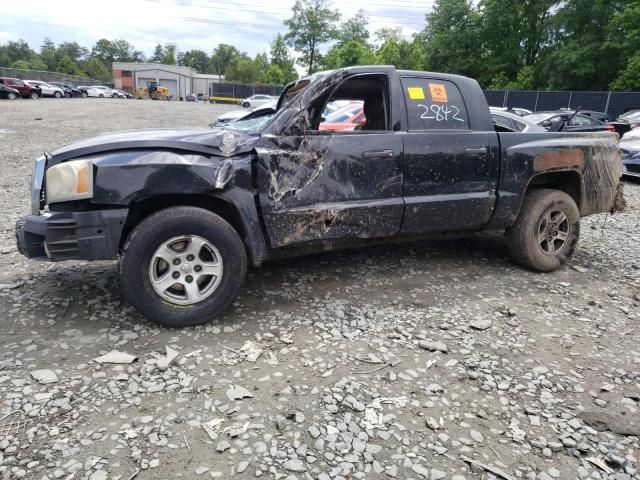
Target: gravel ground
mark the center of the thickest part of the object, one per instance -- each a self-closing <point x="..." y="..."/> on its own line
<point x="421" y="361"/>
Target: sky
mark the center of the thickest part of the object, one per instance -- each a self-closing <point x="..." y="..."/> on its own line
<point x="250" y="25"/>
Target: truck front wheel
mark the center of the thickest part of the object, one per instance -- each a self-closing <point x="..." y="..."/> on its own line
<point x="546" y="232"/>
<point x="182" y="266"/>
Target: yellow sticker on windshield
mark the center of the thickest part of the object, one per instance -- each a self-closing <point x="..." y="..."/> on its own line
<point x="416" y="93"/>
<point x="439" y="92"/>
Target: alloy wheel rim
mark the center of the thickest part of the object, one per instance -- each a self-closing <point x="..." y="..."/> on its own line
<point x="553" y="232"/>
<point x="186" y="270"/>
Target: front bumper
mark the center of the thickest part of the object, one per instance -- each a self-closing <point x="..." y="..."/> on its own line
<point x="58" y="236"/>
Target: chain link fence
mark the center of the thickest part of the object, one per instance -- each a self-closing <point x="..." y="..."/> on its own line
<point x="22" y="74"/>
<point x="612" y="103"/>
<point x="234" y="92"/>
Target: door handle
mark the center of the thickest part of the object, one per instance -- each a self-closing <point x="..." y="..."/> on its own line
<point x="378" y="154"/>
<point x="477" y="150"/>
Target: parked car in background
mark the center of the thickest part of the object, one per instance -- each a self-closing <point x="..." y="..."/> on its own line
<point x="575" y="121"/>
<point x="630" y="149"/>
<point x="257" y="100"/>
<point x="633" y="134"/>
<point x="632" y="118"/>
<point x="9" y="93"/>
<point x="47" y="90"/>
<point x="107" y="92"/>
<point x="69" y="90"/>
<point x="345" y="119"/>
<point x="91" y="92"/>
<point x="240" y="115"/>
<point x="123" y="93"/>
<point x="191" y="97"/>
<point x="513" y="122"/>
<point x="26" y="90"/>
<point x="521" y="112"/>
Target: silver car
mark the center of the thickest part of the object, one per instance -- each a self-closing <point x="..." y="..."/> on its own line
<point x="46" y="89"/>
<point x="514" y="122"/>
<point x="257" y="100"/>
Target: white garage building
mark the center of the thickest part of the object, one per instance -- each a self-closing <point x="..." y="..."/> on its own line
<point x="179" y="80"/>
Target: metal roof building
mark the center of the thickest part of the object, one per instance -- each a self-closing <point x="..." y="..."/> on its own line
<point x="179" y="80"/>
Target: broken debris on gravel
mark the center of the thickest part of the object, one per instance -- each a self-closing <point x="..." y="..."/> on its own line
<point x="422" y="361"/>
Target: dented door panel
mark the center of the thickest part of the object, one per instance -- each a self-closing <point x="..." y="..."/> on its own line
<point x="450" y="180"/>
<point x="323" y="186"/>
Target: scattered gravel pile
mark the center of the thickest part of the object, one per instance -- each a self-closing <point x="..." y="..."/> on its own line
<point x="422" y="361"/>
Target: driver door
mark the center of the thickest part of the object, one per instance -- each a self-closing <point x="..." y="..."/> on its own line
<point x="322" y="184"/>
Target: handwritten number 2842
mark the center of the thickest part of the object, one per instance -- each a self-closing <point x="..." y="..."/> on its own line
<point x="441" y="113"/>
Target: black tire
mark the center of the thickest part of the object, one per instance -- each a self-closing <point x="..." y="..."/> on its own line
<point x="12" y="96"/>
<point x="523" y="238"/>
<point x="84" y="95"/>
<point x="157" y="229"/>
<point x="101" y="96"/>
<point x="57" y="95"/>
<point x="34" y="95"/>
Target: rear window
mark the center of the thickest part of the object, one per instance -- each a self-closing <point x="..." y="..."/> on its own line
<point x="434" y="105"/>
<point x="505" y="121"/>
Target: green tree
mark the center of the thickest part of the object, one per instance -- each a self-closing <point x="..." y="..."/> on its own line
<point x="629" y="78"/>
<point x="222" y="56"/>
<point x="22" y="64"/>
<point x="242" y="69"/>
<point x="282" y="65"/>
<point x="72" y="50"/>
<point x="582" y="57"/>
<point x="624" y="35"/>
<point x="451" y="39"/>
<point x="17" y="51"/>
<point x="401" y="53"/>
<point x="169" y="57"/>
<point x="158" y="54"/>
<point x="48" y="54"/>
<point x="108" y="51"/>
<point x="69" y="67"/>
<point x="96" y="69"/>
<point x="196" y="59"/>
<point x="355" y="28"/>
<point x="349" y="54"/>
<point x="312" y="24"/>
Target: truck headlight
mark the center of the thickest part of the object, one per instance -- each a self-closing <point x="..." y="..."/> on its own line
<point x="69" y="181"/>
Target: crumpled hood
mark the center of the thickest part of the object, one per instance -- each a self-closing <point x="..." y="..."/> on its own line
<point x="206" y="141"/>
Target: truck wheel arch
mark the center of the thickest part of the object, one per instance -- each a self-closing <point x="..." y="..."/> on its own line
<point x="251" y="234"/>
<point x="567" y="181"/>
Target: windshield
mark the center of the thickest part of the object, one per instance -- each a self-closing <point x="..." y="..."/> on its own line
<point x="253" y="126"/>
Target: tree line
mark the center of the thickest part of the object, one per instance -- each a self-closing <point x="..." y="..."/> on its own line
<point x="513" y="44"/>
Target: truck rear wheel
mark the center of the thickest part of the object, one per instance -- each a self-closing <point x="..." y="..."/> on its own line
<point x="546" y="232"/>
<point x="183" y="266"/>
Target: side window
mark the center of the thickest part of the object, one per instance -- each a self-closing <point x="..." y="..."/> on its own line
<point x="434" y="105"/>
<point x="504" y="121"/>
<point x="366" y="107"/>
<point x="519" y="125"/>
<point x="581" y="121"/>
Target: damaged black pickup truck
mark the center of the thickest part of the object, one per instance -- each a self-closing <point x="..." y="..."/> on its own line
<point x="185" y="211"/>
